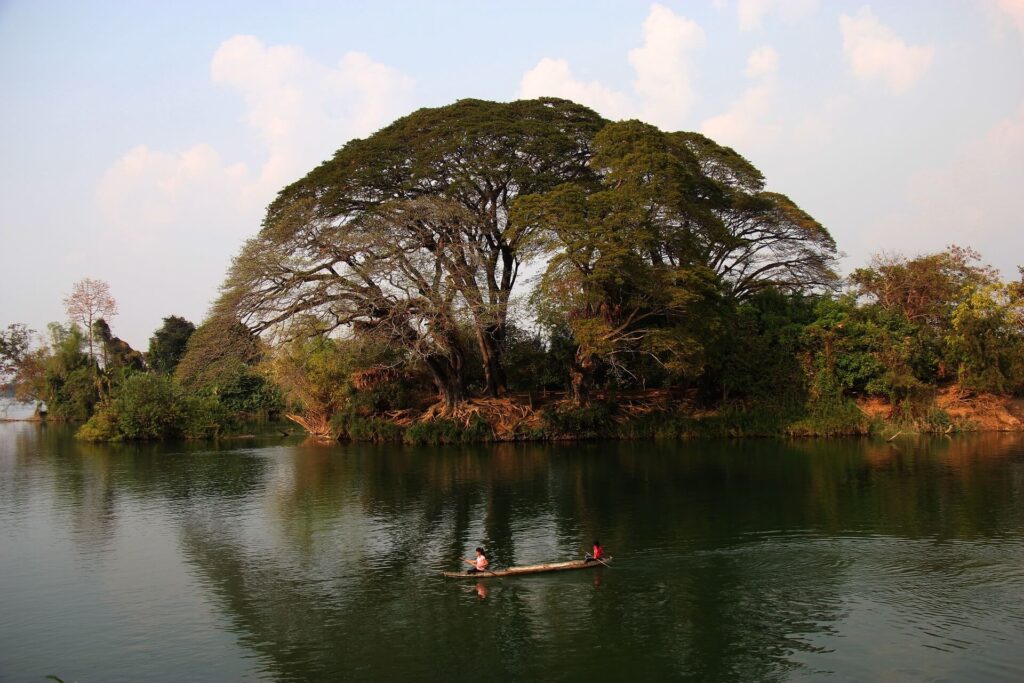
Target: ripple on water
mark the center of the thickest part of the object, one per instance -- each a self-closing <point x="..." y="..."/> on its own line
<point x="301" y="564"/>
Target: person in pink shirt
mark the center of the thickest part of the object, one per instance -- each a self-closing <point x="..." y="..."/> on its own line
<point x="478" y="565"/>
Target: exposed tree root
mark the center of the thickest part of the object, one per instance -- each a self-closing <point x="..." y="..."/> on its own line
<point x="506" y="416"/>
<point x="318" y="426"/>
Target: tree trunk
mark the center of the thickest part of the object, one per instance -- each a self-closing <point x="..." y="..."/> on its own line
<point x="491" y="340"/>
<point x="448" y="378"/>
<point x="581" y="369"/>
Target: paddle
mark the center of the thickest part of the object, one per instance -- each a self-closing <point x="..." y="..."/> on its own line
<point x="596" y="559"/>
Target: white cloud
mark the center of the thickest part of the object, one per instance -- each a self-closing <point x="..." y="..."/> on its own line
<point x="875" y="53"/>
<point x="817" y="126"/>
<point x="1014" y="11"/>
<point x="553" y="77"/>
<point x="194" y="207"/>
<point x="303" y="109"/>
<point x="764" y="61"/>
<point x="663" y="92"/>
<point x="663" y="68"/>
<point x="751" y="12"/>
<point x="745" y="122"/>
<point x="972" y="200"/>
<point x="148" y="193"/>
<point x="300" y="109"/>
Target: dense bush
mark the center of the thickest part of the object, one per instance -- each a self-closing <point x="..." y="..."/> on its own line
<point x="443" y="430"/>
<point x="153" y="407"/>
<point x="588" y="421"/>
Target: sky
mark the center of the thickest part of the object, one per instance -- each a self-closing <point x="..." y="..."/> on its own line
<point x="141" y="141"/>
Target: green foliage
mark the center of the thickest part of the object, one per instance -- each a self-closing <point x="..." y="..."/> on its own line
<point x="589" y="421"/>
<point x="837" y="417"/>
<point x="220" y="349"/>
<point x="116" y="353"/>
<point x="757" y="350"/>
<point x="150" y="407"/>
<point x="985" y="340"/>
<point x="925" y="289"/>
<point x="623" y="277"/>
<point x="871" y="350"/>
<point x="67" y="380"/>
<point x="314" y="374"/>
<point x="340" y="381"/>
<point x="222" y="359"/>
<point x="407" y="233"/>
<point x="168" y="344"/>
<point x="14" y="348"/>
<point x="249" y="394"/>
<point x="535" y="363"/>
<point x="444" y="431"/>
<point x="360" y="428"/>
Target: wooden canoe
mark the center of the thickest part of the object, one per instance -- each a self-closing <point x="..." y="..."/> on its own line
<point x="528" y="569"/>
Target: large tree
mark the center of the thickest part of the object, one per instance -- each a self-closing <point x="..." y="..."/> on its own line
<point x="407" y="232"/>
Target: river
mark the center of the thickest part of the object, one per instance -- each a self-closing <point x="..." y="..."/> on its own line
<point x="268" y="559"/>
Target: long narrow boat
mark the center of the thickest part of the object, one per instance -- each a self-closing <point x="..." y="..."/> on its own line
<point x="528" y="569"/>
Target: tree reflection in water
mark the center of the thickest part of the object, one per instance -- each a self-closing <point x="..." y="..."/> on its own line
<point x="753" y="560"/>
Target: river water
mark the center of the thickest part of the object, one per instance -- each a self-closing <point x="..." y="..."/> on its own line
<point x="268" y="559"/>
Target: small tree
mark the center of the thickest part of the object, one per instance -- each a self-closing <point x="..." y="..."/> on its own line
<point x="90" y="300"/>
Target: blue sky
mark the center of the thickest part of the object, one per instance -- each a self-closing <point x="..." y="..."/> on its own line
<point x="141" y="141"/>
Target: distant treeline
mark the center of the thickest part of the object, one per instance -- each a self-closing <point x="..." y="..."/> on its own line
<point x="383" y="299"/>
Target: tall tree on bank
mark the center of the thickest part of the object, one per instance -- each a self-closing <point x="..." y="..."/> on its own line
<point x="408" y="231"/>
<point x="89" y="301"/>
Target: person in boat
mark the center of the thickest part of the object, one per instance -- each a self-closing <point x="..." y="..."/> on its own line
<point x="596" y="554"/>
<point x="478" y="565"/>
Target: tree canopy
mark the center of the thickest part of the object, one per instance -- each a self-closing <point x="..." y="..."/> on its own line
<point x="168" y="343"/>
<point x="417" y="234"/>
<point x="89" y="301"/>
<point x="407" y="231"/>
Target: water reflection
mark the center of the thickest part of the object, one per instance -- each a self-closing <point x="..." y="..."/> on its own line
<point x="753" y="560"/>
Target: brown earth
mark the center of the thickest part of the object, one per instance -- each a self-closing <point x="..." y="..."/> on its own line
<point x="990" y="412"/>
<point x="975" y="411"/>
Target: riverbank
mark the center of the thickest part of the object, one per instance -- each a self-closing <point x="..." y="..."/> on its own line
<point x="659" y="414"/>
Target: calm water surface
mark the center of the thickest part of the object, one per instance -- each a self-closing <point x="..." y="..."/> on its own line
<point x="271" y="560"/>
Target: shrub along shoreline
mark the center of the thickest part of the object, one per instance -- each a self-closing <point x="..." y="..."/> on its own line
<point x="489" y="420"/>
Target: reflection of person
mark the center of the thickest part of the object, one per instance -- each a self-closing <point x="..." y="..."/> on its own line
<point x="479" y="565"/>
<point x="597" y="553"/>
<point x="481" y="589"/>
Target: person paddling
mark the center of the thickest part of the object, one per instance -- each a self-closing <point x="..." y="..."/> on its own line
<point x="479" y="565"/>
<point x="596" y="554"/>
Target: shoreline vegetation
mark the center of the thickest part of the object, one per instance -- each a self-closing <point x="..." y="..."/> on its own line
<point x="658" y="414"/>
<point x="673" y="296"/>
